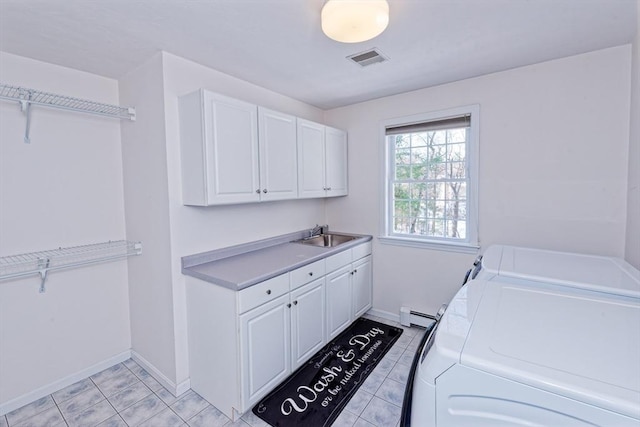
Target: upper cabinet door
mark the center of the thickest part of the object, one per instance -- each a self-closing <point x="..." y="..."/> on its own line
<point x="278" y="155"/>
<point x="219" y="149"/>
<point x="311" y="170"/>
<point x="336" y="162"/>
<point x="232" y="150"/>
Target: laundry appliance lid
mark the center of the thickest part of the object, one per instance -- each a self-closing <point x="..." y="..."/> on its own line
<point x="580" y="344"/>
<point x="598" y="273"/>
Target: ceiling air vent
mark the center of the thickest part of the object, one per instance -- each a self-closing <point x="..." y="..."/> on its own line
<point x="368" y="57"/>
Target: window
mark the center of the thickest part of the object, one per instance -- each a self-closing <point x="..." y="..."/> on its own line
<point x="431" y="180"/>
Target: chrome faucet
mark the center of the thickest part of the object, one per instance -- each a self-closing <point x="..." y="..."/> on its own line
<point x="318" y="229"/>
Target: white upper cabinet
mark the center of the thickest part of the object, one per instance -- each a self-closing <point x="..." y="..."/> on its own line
<point x="322" y="160"/>
<point x="278" y="158"/>
<point x="335" y="142"/>
<point x="219" y="150"/>
<point x="236" y="152"/>
<point x="311" y="174"/>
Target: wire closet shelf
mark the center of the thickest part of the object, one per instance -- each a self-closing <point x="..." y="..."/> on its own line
<point x="26" y="97"/>
<point x="15" y="266"/>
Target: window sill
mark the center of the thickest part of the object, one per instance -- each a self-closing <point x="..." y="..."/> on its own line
<point x="465" y="248"/>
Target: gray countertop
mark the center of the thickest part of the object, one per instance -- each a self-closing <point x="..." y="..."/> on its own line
<point x="241" y="266"/>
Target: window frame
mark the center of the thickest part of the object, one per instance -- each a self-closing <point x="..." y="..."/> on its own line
<point x="471" y="243"/>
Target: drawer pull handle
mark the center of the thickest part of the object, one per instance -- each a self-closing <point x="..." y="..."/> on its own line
<point x="268" y="291"/>
<point x="311" y="273"/>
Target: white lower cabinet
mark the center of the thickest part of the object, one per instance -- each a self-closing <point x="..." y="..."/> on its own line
<point x="242" y="344"/>
<point x="361" y="286"/>
<point x="307" y="321"/>
<point x="265" y="348"/>
<point x="349" y="288"/>
<point x="339" y="314"/>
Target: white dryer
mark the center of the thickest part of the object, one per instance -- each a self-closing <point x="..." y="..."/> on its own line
<point x="599" y="273"/>
<point x="538" y="338"/>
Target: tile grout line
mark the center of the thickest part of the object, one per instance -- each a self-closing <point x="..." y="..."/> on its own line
<point x="152" y="392"/>
<point x="198" y="413"/>
<point x="64" y="419"/>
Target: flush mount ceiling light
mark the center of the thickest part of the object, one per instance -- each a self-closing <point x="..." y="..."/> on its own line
<point x="353" y="21"/>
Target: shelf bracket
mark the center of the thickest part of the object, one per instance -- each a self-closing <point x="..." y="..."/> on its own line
<point x="25" y="106"/>
<point x="43" y="268"/>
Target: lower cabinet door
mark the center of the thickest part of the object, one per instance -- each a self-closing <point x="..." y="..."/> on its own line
<point x="308" y="323"/>
<point x="362" y="286"/>
<point x="265" y="348"/>
<point x="339" y="306"/>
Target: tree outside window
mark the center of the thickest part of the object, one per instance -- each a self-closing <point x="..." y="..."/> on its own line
<point x="429" y="189"/>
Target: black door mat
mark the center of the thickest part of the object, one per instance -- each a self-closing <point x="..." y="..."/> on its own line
<point x="316" y="393"/>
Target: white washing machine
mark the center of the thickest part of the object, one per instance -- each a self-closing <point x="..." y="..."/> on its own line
<point x="537" y="338"/>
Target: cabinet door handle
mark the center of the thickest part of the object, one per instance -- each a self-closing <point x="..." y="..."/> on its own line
<point x="295" y="302"/>
<point x="352" y="273"/>
<point x="329" y="188"/>
<point x="258" y="191"/>
<point x="311" y="273"/>
<point x="268" y="291"/>
<point x="289" y="305"/>
<point x="355" y="271"/>
<point x="264" y="191"/>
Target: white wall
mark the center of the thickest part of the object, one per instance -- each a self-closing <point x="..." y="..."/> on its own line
<point x="553" y="168"/>
<point x="157" y="297"/>
<point x="64" y="189"/>
<point x="632" y="251"/>
<point x="147" y="219"/>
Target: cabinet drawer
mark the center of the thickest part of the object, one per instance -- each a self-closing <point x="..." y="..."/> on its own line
<point x="262" y="292"/>
<point x="306" y="274"/>
<point x="362" y="250"/>
<point x="338" y="260"/>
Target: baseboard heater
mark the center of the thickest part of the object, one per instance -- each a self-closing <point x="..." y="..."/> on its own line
<point x="409" y="317"/>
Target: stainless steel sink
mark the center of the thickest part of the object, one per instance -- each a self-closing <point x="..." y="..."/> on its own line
<point x="329" y="240"/>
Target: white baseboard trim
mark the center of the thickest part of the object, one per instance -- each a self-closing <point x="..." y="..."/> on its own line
<point x="384" y="314"/>
<point x="48" y="389"/>
<point x="175" y="389"/>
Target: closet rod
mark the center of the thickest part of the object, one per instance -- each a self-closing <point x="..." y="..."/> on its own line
<point x="15" y="266"/>
<point x="26" y="97"/>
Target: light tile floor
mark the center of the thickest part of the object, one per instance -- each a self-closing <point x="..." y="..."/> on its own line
<point x="125" y="395"/>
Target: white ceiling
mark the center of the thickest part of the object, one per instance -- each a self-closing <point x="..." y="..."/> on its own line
<point x="278" y="44"/>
